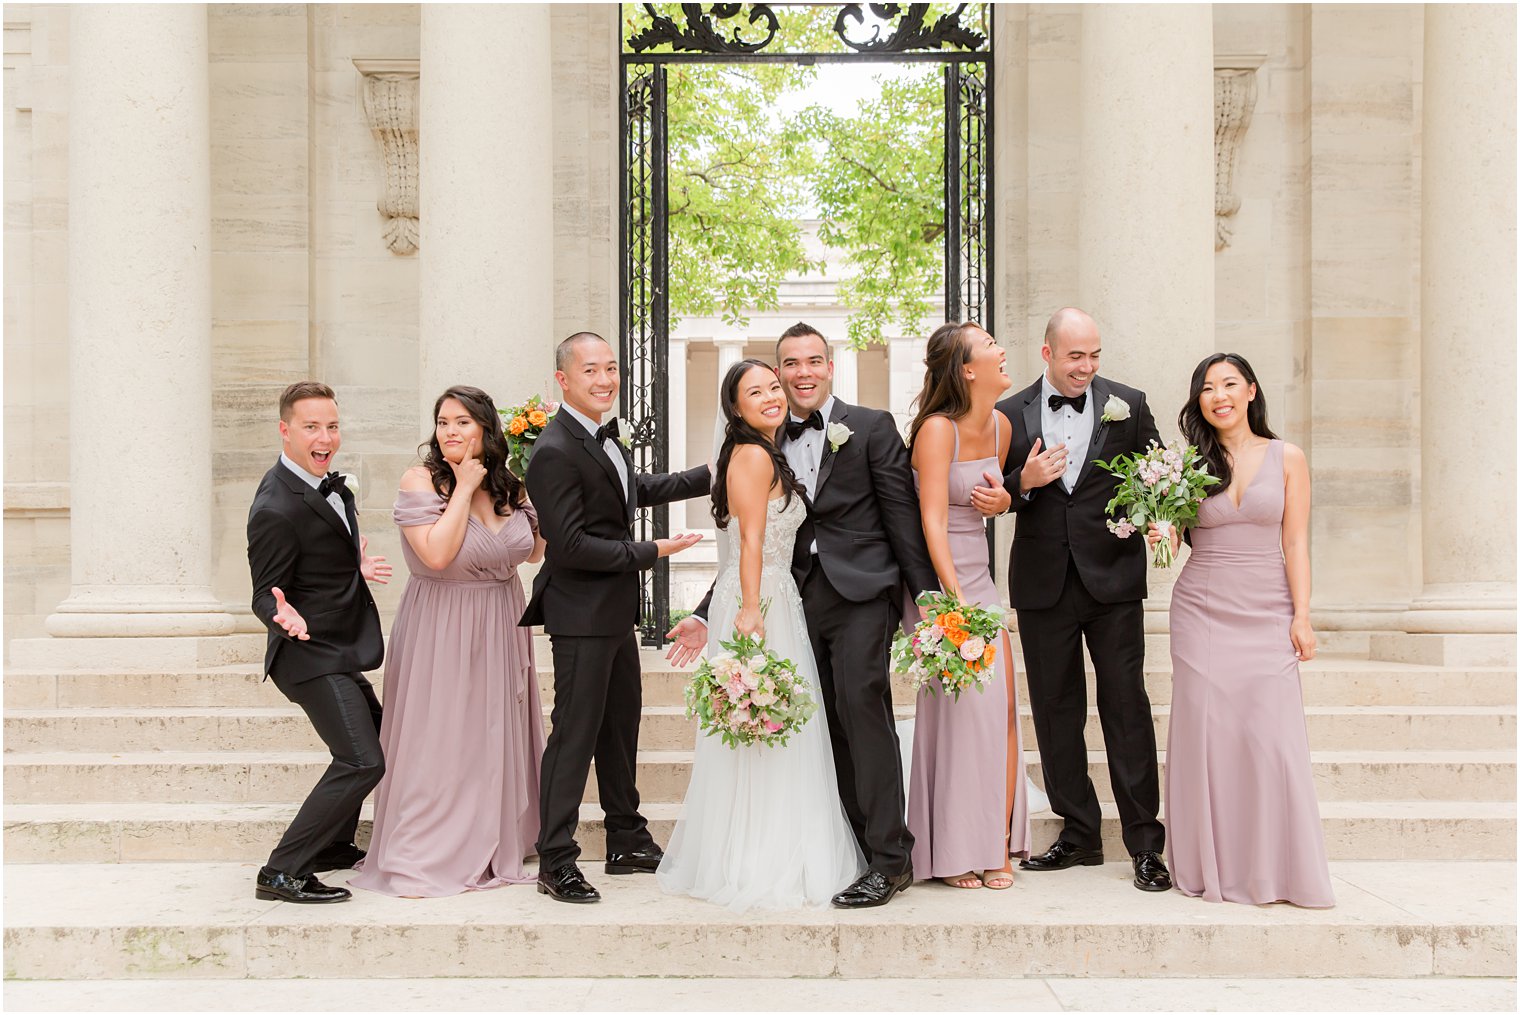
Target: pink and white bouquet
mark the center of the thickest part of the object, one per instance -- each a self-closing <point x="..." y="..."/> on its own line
<point x="953" y="650"/>
<point x="1165" y="485"/>
<point x="749" y="695"/>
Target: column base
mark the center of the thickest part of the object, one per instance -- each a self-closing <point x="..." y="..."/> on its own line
<point x="128" y="612"/>
<point x="136" y="654"/>
<point x="1467" y="624"/>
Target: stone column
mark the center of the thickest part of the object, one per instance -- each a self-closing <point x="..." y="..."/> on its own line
<point x="730" y="351"/>
<point x="675" y="398"/>
<point x="905" y="377"/>
<point x="847" y="373"/>
<point x="1467" y="321"/>
<point x="485" y="180"/>
<point x="1145" y="225"/>
<point x="140" y="489"/>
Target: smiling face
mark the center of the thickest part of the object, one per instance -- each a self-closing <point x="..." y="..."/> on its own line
<point x="310" y="436"/>
<point x="807" y="372"/>
<point x="987" y="364"/>
<point x="760" y="401"/>
<point x="455" y="428"/>
<point x="1071" y="354"/>
<point x="1226" y="396"/>
<point x="590" y="379"/>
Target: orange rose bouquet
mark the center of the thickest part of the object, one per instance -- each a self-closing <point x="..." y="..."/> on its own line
<point x="954" y="650"/>
<point x="522" y="425"/>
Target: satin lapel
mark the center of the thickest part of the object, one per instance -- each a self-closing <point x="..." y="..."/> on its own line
<point x="1033" y="422"/>
<point x="630" y="493"/>
<point x="826" y="463"/>
<point x="317" y="503"/>
<point x="594" y="449"/>
<point x="1097" y="394"/>
<point x="351" y="509"/>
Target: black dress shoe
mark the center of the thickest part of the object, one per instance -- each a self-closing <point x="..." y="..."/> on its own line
<point x="567" y="884"/>
<point x="1062" y="855"/>
<point x="1151" y="874"/>
<point x="340" y="856"/>
<point x="640" y="861"/>
<point x="277" y="886"/>
<point x="873" y="889"/>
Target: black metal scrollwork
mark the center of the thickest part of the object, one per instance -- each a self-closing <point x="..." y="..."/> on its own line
<point x="910" y="33"/>
<point x="699" y="35"/>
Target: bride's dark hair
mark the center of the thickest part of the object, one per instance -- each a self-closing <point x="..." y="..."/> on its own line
<point x="738" y="432"/>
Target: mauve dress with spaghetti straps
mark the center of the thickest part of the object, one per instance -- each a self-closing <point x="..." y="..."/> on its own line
<point x="958" y="781"/>
<point x="463" y="730"/>
<point x="1242" y="819"/>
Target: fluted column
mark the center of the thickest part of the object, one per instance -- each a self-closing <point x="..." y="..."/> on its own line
<point x="140" y="488"/>
<point x="1467" y="316"/>
<point x="1146" y="214"/>
<point x="485" y="179"/>
<point x="905" y="377"/>
<point x="847" y="373"/>
<point x="730" y="351"/>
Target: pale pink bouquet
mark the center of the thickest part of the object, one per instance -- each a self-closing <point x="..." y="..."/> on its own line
<point x="749" y="695"/>
<point x="1165" y="485"/>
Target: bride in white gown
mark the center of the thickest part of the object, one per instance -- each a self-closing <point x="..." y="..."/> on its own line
<point x="762" y="827"/>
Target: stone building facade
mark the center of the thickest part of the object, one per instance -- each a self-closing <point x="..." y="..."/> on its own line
<point x="204" y="203"/>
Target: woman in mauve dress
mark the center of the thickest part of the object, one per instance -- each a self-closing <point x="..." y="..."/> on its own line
<point x="967" y="806"/>
<point x="1242" y="819"/>
<point x="463" y="730"/>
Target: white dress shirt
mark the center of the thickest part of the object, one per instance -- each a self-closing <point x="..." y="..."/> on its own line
<point x="805" y="454"/>
<point x="1067" y="426"/>
<point x="608" y="444"/>
<point x="315" y="482"/>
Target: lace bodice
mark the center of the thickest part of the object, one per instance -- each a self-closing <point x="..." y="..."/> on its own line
<point x="783" y="518"/>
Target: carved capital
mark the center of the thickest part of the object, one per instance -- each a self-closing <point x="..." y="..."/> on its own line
<point x="1234" y="98"/>
<point x="390" y="106"/>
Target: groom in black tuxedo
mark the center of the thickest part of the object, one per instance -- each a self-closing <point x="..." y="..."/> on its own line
<point x="304" y="550"/>
<point x="861" y="543"/>
<point x="583" y="484"/>
<point x="1070" y="579"/>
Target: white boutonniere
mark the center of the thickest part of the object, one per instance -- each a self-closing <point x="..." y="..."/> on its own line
<point x="624" y="432"/>
<point x="1115" y="410"/>
<point x="352" y="482"/>
<point x="838" y="434"/>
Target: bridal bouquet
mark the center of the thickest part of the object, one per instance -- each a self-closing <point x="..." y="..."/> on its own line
<point x="953" y="650"/>
<point x="1161" y="485"/>
<point x="522" y="424"/>
<point x="749" y="695"/>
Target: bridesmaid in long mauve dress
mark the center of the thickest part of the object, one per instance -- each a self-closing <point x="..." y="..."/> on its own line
<point x="967" y="806"/>
<point x="463" y="731"/>
<point x="1242" y="819"/>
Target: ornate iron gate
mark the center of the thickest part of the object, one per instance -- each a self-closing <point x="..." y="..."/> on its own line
<point x="715" y="33"/>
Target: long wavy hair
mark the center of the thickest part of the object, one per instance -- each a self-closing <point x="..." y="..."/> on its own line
<point x="1201" y="433"/>
<point x="945" y="391"/>
<point x="737" y="432"/>
<point x="506" y="490"/>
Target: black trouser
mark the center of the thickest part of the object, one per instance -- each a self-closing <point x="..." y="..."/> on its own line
<point x="598" y="697"/>
<point x="344" y="711"/>
<point x="850" y="644"/>
<point x="1115" y="634"/>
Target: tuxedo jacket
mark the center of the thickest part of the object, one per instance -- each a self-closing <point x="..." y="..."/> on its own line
<point x="297" y="543"/>
<point x="589" y="584"/>
<point x="863" y="515"/>
<point x="1054" y="526"/>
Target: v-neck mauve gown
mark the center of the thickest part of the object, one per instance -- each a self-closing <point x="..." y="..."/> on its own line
<point x="1242" y="819"/>
<point x="463" y="730"/>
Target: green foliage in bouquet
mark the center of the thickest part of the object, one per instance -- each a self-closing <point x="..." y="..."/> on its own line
<point x="1166" y="485"/>
<point x="749" y="695"/>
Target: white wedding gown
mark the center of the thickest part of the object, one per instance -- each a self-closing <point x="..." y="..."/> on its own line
<point x="762" y="827"/>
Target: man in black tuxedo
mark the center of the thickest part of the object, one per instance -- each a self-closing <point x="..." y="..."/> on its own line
<point x="862" y="542"/>
<point x="582" y="482"/>
<point x="304" y="549"/>
<point x="1070" y="579"/>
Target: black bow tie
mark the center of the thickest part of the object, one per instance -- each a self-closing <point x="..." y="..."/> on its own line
<point x="609" y="431"/>
<point x="333" y="482"/>
<point x="797" y="427"/>
<point x="1078" y="403"/>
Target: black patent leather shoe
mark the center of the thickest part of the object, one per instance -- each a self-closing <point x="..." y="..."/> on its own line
<point x="1151" y="874"/>
<point x="640" y="861"/>
<point x="873" y="889"/>
<point x="277" y="886"/>
<point x="1062" y="855"/>
<point x="340" y="856"/>
<point x="567" y="884"/>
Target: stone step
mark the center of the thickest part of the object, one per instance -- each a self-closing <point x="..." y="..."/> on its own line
<point x="1328" y="680"/>
<point x="127" y="921"/>
<point x="707" y="994"/>
<point x="666" y="728"/>
<point x="127" y="833"/>
<point x="278" y="777"/>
